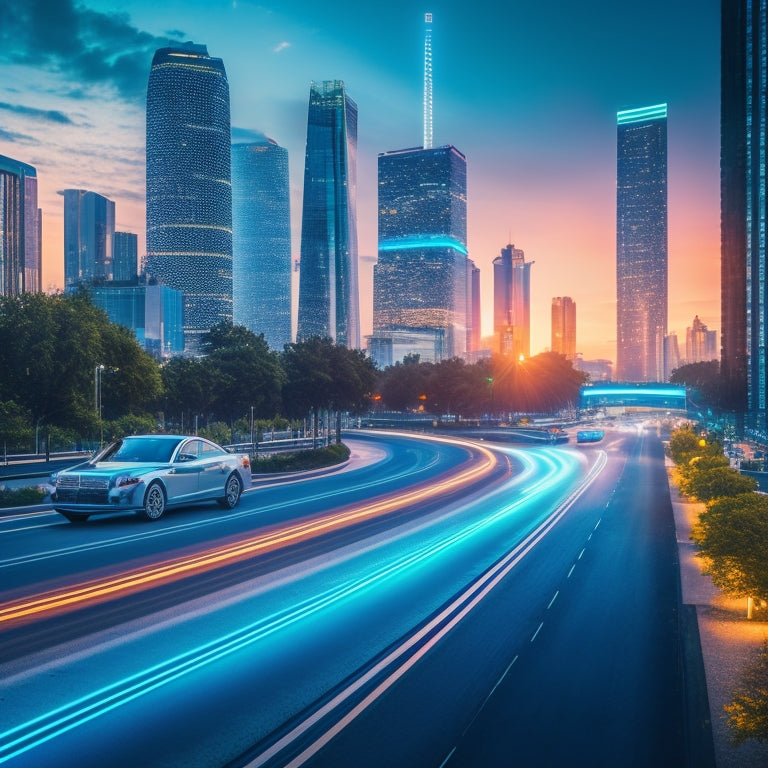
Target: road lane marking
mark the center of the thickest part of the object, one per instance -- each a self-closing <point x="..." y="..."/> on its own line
<point x="571" y="571"/>
<point x="597" y="524"/>
<point x="553" y="599"/>
<point x="537" y="631"/>
<point x="581" y="554"/>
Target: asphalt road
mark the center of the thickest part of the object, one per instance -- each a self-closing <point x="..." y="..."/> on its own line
<point x="574" y="661"/>
<point x="442" y="605"/>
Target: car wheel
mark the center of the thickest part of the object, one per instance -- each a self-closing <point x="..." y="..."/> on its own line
<point x="154" y="502"/>
<point x="74" y="517"/>
<point x="232" y="491"/>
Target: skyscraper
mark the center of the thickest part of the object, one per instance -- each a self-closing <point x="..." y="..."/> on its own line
<point x="641" y="243"/>
<point x="700" y="342"/>
<point x="420" y="280"/>
<point x="125" y="253"/>
<point x="564" y="326"/>
<point x="89" y="228"/>
<point x="512" y="303"/>
<point x="743" y="197"/>
<point x="20" y="224"/>
<point x="473" y="308"/>
<point x="329" y="303"/>
<point x="261" y="244"/>
<point x="189" y="191"/>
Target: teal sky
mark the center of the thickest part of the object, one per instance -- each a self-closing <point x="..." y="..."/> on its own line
<point x="528" y="92"/>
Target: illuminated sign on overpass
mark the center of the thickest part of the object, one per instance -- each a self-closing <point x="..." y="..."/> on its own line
<point x="653" y="397"/>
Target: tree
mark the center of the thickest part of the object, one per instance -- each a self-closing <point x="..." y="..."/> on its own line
<point x="245" y="374"/>
<point x="749" y="709"/>
<point x="732" y="534"/>
<point x="702" y="377"/>
<point x="715" y="483"/>
<point x="15" y="430"/>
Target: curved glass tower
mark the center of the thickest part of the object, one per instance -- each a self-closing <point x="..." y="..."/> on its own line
<point x="262" y="240"/>
<point x="328" y="290"/>
<point x="189" y="192"/>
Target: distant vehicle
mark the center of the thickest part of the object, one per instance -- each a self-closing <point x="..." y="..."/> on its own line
<point x="589" y="435"/>
<point x="150" y="473"/>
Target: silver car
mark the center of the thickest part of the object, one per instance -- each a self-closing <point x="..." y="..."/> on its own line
<point x="150" y="473"/>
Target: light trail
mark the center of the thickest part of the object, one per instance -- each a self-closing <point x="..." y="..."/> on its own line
<point x="35" y="732"/>
<point x="129" y="583"/>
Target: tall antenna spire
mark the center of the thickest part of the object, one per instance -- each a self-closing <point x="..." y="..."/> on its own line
<point x="428" y="82"/>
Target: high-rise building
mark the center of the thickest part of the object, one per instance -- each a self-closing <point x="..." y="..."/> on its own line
<point x="420" y="280"/>
<point x="671" y="355"/>
<point x="20" y="229"/>
<point x="641" y="243"/>
<point x="564" y="326"/>
<point x="473" y="309"/>
<point x="89" y="228"/>
<point x="125" y="255"/>
<point x="189" y="191"/>
<point x="261" y="242"/>
<point x="700" y="343"/>
<point x="512" y="303"/>
<point x="329" y="304"/>
<point x="743" y="196"/>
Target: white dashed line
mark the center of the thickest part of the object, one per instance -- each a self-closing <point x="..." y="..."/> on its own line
<point x="553" y="599"/>
<point x="537" y="631"/>
<point x="571" y="571"/>
<point x="581" y="554"/>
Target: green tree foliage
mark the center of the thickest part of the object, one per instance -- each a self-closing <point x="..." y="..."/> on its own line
<point x="715" y="483"/>
<point x="188" y="390"/>
<point x="748" y="712"/>
<point x="403" y="386"/>
<point x="685" y="444"/>
<point x="51" y="347"/>
<point x="16" y="434"/>
<point x="244" y="373"/>
<point x="732" y="534"/>
<point x="703" y="377"/>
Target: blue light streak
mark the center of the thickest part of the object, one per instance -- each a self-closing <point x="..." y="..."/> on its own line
<point x="558" y="467"/>
<point x="423" y="241"/>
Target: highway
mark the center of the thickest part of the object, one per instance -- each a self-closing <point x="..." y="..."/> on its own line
<point x="437" y="602"/>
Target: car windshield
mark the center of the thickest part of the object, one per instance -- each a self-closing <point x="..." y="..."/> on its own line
<point x="139" y="449"/>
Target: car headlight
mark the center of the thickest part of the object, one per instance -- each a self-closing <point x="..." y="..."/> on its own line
<point x="126" y="480"/>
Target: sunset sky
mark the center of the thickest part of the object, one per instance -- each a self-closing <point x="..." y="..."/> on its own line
<point x="527" y="91"/>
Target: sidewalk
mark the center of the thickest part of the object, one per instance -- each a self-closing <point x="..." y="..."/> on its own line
<point x="728" y="639"/>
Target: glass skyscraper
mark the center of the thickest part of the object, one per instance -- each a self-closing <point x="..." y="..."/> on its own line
<point x="564" y="326"/>
<point x="743" y="195"/>
<point x="125" y="253"/>
<point x="329" y="303"/>
<point x="512" y="303"/>
<point x="20" y="225"/>
<point x="89" y="228"/>
<point x="261" y="244"/>
<point x="641" y="243"/>
<point x="421" y="279"/>
<point x="189" y="191"/>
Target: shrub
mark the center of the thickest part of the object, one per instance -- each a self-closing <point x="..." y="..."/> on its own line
<point x="302" y="460"/>
<point x="21" y="497"/>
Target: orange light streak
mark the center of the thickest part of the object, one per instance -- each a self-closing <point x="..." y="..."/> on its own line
<point x="178" y="568"/>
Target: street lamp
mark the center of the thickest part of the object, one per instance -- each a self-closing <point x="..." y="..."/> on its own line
<point x="97" y="398"/>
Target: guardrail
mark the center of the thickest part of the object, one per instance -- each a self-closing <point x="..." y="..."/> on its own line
<point x="269" y="447"/>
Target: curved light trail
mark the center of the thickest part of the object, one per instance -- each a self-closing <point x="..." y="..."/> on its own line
<point x="544" y="472"/>
<point x="163" y="573"/>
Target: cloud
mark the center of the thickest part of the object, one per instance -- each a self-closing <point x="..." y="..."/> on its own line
<point x="86" y="46"/>
<point x="51" y="115"/>
<point x="15" y="137"/>
<point x="281" y="47"/>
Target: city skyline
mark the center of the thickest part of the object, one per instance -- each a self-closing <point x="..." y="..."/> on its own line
<point x="538" y="128"/>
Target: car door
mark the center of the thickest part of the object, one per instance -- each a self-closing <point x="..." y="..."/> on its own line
<point x="213" y="470"/>
<point x="183" y="480"/>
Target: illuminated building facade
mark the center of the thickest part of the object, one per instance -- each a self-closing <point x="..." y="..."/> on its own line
<point x="700" y="343"/>
<point x="261" y="244"/>
<point x="421" y="279"/>
<point x="564" y="326"/>
<point x="125" y="252"/>
<point x="189" y="192"/>
<point x="473" y="309"/>
<point x="641" y="243"/>
<point x="743" y="195"/>
<point x="512" y="303"/>
<point x="20" y="229"/>
<point x="329" y="305"/>
<point x="89" y="229"/>
<point x="152" y="312"/>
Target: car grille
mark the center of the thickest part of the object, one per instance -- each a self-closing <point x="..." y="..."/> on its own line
<point x="82" y="489"/>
